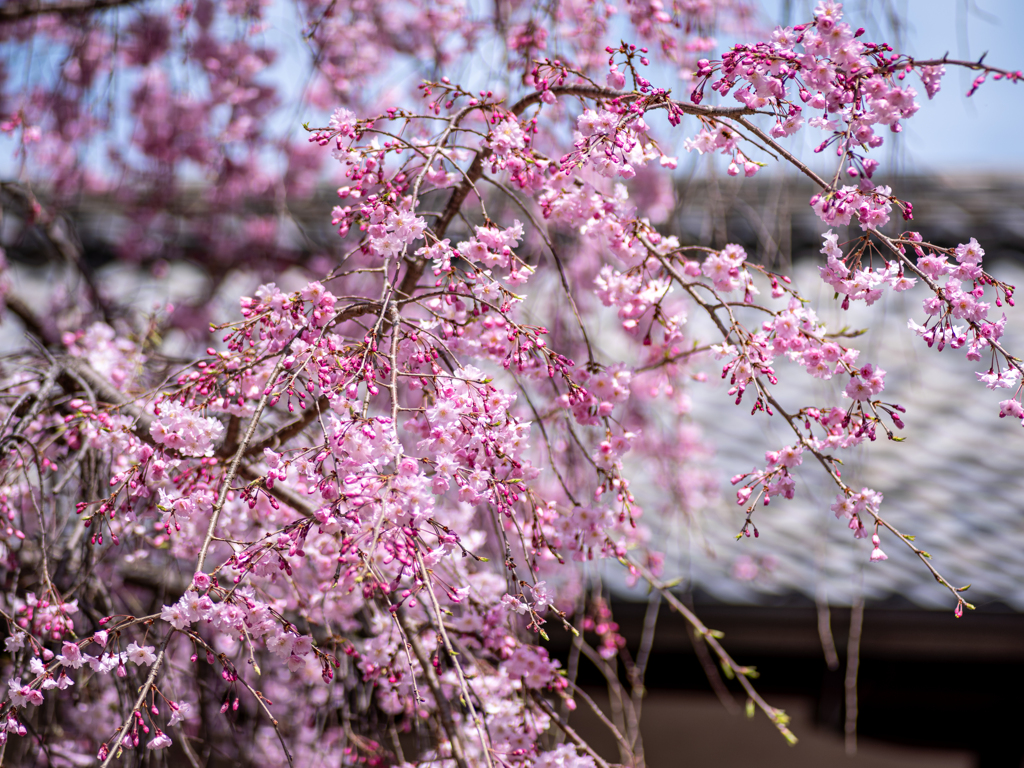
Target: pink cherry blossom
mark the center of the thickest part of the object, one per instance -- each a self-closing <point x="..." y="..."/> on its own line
<point x="470" y="387"/>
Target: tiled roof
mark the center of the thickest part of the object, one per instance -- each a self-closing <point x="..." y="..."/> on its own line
<point x="956" y="483"/>
<point x="769" y="211"/>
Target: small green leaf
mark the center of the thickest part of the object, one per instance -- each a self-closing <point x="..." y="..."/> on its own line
<point x="750" y="708"/>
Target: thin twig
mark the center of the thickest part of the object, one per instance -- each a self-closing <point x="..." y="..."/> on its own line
<point x="574" y="737"/>
<point x="485" y="745"/>
<point x="779" y="719"/>
<point x="443" y="708"/>
<point x="143" y="692"/>
<point x="237" y="459"/>
<point x="852" y="666"/>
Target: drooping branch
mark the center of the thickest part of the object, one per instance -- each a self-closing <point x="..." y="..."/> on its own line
<point x="443" y="705"/>
<point x="779" y="719"/>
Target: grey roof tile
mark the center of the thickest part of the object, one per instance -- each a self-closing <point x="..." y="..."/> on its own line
<point x="957" y="483"/>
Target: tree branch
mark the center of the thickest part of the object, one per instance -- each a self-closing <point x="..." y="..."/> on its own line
<point x="26" y="10"/>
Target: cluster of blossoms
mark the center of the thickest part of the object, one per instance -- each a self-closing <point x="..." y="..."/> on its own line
<point x="491" y="247"/>
<point x="180" y="428"/>
<point x="613" y="144"/>
<point x="508" y="143"/>
<point x="823" y="66"/>
<point x="958" y="289"/>
<point x="853" y="506"/>
<point x="725" y="270"/>
<point x="776" y="477"/>
<point x="859" y="284"/>
<point x="726" y="140"/>
<point x="632" y="295"/>
<point x="379" y="474"/>
<point x="45" y="618"/>
<point x="871" y="206"/>
<point x="391" y="230"/>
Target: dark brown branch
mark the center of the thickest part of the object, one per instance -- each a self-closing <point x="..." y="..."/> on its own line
<point x="443" y="705"/>
<point x="803" y="168"/>
<point x="852" y="664"/>
<point x="574" y="737"/>
<point x="33" y="324"/>
<point x="30" y="8"/>
<point x="283" y="434"/>
<point x="144" y="421"/>
<point x="58" y="232"/>
<point x="593" y="92"/>
<point x="975" y="65"/>
<point x="280" y="492"/>
<point x="451" y="210"/>
<point x="107" y="393"/>
<point x="476" y="168"/>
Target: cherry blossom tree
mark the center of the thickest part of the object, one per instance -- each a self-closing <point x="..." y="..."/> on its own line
<point x="342" y="522"/>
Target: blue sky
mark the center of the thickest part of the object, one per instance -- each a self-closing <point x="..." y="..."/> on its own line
<point x="950" y="133"/>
